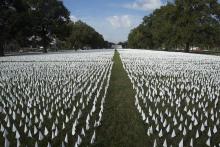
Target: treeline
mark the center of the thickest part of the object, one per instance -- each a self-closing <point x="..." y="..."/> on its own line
<point x="43" y="24"/>
<point x="179" y="25"/>
<point x="83" y="36"/>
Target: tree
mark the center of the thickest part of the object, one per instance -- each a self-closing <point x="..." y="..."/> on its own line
<point x="197" y="22"/>
<point x="183" y="23"/>
<point x="156" y="30"/>
<point x="6" y="11"/>
<point x="139" y="38"/>
<point x="162" y="27"/>
<point x="21" y="22"/>
<point x="50" y="19"/>
<point x="43" y="20"/>
<point x="82" y="35"/>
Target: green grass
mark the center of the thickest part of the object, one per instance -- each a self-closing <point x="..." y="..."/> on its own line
<point x="122" y="126"/>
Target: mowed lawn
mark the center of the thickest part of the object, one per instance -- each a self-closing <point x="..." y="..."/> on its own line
<point x="121" y="125"/>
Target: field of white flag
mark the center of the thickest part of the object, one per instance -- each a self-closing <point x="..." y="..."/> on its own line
<point x="59" y="99"/>
<point x="177" y="96"/>
<point x="53" y="100"/>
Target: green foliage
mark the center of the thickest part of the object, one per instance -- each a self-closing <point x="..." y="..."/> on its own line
<point x="181" y="24"/>
<point x="42" y="22"/>
<point x="50" y="20"/>
<point x="140" y="37"/>
<point x="22" y="19"/>
<point x="84" y="36"/>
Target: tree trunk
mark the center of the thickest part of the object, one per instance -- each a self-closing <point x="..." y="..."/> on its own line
<point x="187" y="47"/>
<point x="44" y="37"/>
<point x="45" y="46"/>
<point x="45" y="49"/>
<point x="1" y="50"/>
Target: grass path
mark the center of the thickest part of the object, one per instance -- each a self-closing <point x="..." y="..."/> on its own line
<point x="121" y="124"/>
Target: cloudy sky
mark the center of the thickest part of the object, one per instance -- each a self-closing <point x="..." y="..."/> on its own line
<point x="112" y="18"/>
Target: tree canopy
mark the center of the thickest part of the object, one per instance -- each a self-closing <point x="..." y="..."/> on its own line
<point x="84" y="36"/>
<point x="28" y="21"/>
<point x="182" y="24"/>
<point x="43" y="23"/>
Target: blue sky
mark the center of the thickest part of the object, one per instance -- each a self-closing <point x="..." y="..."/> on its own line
<point x="112" y="18"/>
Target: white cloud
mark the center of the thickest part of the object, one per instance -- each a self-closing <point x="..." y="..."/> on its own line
<point x="146" y="5"/>
<point x="73" y="18"/>
<point x="113" y="33"/>
<point x="123" y="21"/>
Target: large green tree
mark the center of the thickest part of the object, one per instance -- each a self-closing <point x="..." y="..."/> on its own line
<point x="140" y="37"/>
<point x="156" y="31"/>
<point x="183" y="23"/>
<point x="197" y="22"/>
<point x="49" y="20"/>
<point x="21" y="20"/>
<point x="162" y="27"/>
<point x="82" y="35"/>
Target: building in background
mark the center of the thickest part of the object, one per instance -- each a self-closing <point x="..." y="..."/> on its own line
<point x="116" y="46"/>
